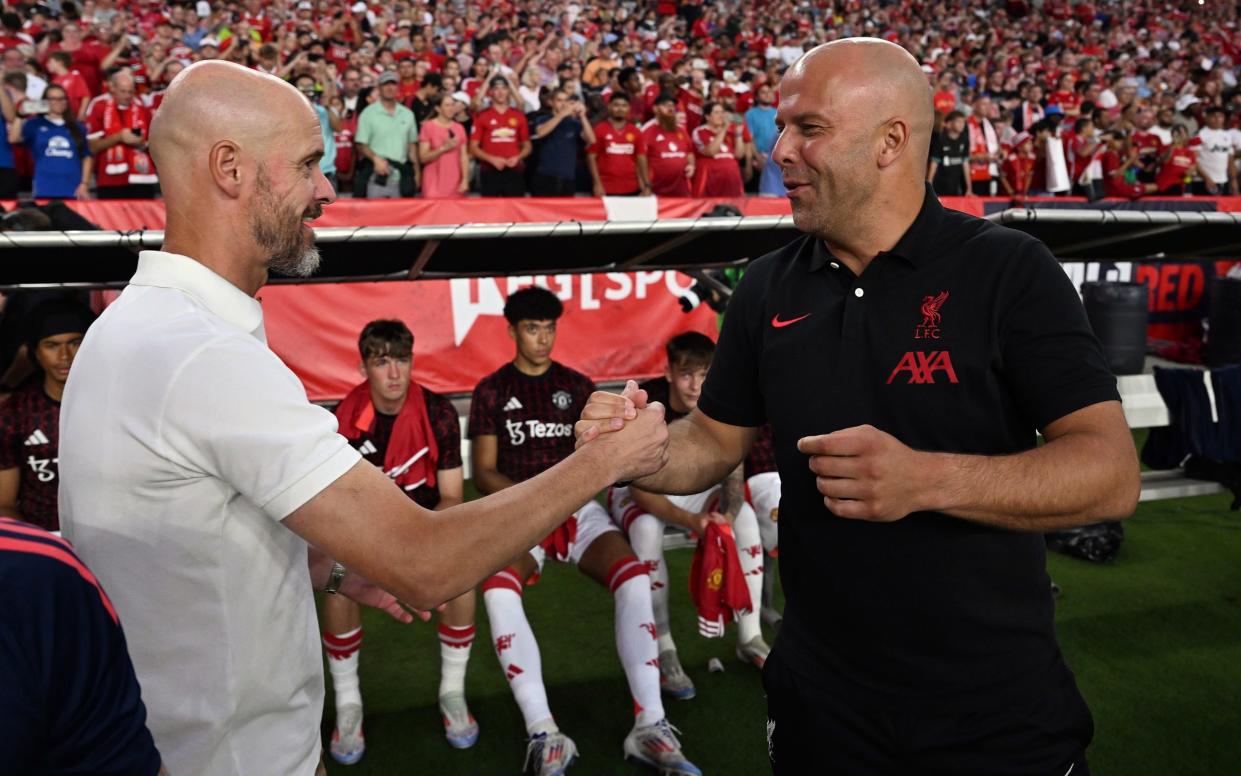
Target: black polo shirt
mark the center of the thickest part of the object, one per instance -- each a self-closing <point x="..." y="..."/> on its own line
<point x="965" y="338"/>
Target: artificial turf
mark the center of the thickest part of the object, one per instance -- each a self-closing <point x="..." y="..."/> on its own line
<point x="1154" y="638"/>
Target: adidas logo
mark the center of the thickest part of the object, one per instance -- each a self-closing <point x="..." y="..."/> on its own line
<point x="513" y="404"/>
<point x="37" y="438"/>
<point x="368" y="448"/>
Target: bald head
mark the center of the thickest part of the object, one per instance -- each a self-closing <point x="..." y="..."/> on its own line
<point x="872" y="80"/>
<point x="238" y="154"/>
<point x="214" y="101"/>
<point x="855" y="121"/>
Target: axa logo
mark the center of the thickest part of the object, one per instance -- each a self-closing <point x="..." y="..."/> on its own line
<point x="929" y="328"/>
<point x="922" y="367"/>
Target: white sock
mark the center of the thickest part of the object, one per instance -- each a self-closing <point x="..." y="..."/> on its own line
<point x="342" y="651"/>
<point x="635" y="642"/>
<point x="517" y="650"/>
<point x="455" y="646"/>
<point x="750" y="552"/>
<point x="646" y="536"/>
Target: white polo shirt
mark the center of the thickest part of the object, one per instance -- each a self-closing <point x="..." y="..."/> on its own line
<point x="184" y="442"/>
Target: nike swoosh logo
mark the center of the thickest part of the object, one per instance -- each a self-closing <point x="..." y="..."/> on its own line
<point x="779" y="324"/>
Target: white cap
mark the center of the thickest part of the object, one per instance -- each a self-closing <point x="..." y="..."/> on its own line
<point x="1185" y="101"/>
<point x="209" y="41"/>
<point x="461" y="97"/>
<point x="304" y="5"/>
<point x="663" y="45"/>
<point x="358" y="8"/>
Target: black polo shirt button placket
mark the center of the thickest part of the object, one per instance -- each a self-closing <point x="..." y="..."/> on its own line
<point x="965" y="337"/>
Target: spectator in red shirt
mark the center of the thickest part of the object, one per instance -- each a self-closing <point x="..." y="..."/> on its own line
<point x="118" y="131"/>
<point x="1018" y="167"/>
<point x="1119" y="161"/>
<point x="59" y="68"/>
<point x="501" y="142"/>
<point x="90" y="58"/>
<point x="617" y="159"/>
<point x="669" y="151"/>
<point x="718" y="146"/>
<point x="1179" y="165"/>
<point x="410" y="83"/>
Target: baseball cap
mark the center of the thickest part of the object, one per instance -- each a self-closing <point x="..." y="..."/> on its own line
<point x="305" y="6"/>
<point x="212" y="42"/>
<point x="1185" y="101"/>
<point x="461" y="97"/>
<point x="497" y="81"/>
<point x="1020" y="138"/>
<point x="358" y="8"/>
<point x="388" y="77"/>
<point x="663" y="45"/>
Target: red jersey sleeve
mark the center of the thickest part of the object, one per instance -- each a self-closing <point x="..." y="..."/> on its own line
<point x="94" y="119"/>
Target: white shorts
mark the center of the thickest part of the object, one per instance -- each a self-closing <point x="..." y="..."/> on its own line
<point x="569" y="542"/>
<point x="764" y="496"/>
<point x="624" y="511"/>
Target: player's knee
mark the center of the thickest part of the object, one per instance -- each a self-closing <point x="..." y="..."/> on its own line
<point x="646" y="534"/>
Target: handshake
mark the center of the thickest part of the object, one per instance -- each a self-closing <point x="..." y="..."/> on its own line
<point x="629" y="434"/>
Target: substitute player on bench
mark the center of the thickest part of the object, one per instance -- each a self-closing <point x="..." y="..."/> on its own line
<point x="413" y="435"/>
<point x="521" y="423"/>
<point x="643" y="515"/>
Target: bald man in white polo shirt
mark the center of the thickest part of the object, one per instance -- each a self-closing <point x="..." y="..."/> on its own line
<point x="195" y="472"/>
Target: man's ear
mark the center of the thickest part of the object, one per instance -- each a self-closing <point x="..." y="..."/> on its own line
<point x="894" y="138"/>
<point x="362" y="368"/>
<point x="224" y="165"/>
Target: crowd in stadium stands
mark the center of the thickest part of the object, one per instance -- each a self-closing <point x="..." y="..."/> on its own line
<point x="509" y="97"/>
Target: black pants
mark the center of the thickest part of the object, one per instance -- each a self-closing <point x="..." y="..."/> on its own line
<point x="8" y="183"/>
<point x="551" y="186"/>
<point x="818" y="732"/>
<point x="982" y="188"/>
<point x="127" y="191"/>
<point x="501" y="183"/>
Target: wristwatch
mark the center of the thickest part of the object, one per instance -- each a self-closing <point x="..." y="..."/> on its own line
<point x="333" y="580"/>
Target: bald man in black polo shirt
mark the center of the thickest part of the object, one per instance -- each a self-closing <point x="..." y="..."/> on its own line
<point x="906" y="356"/>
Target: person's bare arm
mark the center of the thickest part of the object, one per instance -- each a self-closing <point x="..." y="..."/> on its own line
<point x="6" y="104"/>
<point x="545" y="129"/>
<point x="1086" y="472"/>
<point x="451" y="484"/>
<point x="526" y="148"/>
<point x="10" y="486"/>
<point x="426" y="558"/>
<point x="483" y="454"/>
<point x="701" y="451"/>
<point x="644" y="176"/>
<point x="593" y="166"/>
<point x="662" y="508"/>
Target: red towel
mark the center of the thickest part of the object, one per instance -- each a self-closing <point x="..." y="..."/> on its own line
<point x="716" y="581"/>
<point x="412" y="453"/>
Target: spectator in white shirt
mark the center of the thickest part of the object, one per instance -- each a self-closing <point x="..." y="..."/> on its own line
<point x="1215" y="154"/>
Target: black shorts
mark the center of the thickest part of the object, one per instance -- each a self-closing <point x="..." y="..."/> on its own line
<point x="501" y="183"/>
<point x="821" y="732"/>
<point x="8" y="183"/>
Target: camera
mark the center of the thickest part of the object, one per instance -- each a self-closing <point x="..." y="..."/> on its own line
<point x="701" y="292"/>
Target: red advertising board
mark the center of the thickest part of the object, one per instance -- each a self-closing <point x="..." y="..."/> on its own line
<point x="614" y="327"/>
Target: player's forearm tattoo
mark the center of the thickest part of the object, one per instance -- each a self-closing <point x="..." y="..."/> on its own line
<point x="732" y="493"/>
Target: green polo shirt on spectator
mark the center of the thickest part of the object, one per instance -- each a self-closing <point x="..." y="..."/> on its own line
<point x="387" y="134"/>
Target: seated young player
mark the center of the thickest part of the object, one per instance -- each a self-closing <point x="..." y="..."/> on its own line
<point x="414" y="436"/>
<point x="762" y="486"/>
<point x="643" y="515"/>
<point x="521" y="423"/>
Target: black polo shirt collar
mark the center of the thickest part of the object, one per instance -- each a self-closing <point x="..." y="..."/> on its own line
<point x="920" y="244"/>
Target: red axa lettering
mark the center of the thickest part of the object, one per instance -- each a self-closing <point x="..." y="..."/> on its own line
<point x="922" y="367"/>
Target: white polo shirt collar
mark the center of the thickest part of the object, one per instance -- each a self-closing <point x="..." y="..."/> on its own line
<point x="161" y="269"/>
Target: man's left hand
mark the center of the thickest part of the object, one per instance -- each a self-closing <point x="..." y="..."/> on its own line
<point x="866" y="474"/>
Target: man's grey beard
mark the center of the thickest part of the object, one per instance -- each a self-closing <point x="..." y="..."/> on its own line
<point x="301" y="265"/>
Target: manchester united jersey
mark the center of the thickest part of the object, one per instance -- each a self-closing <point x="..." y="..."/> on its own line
<point x="531" y="417"/>
<point x="373" y="445"/>
<point x="667" y="154"/>
<point x="30" y="441"/>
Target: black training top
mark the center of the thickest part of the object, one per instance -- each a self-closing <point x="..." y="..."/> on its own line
<point x="965" y="338"/>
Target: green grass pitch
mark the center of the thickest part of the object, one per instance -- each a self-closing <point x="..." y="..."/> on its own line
<point x="1155" y="641"/>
